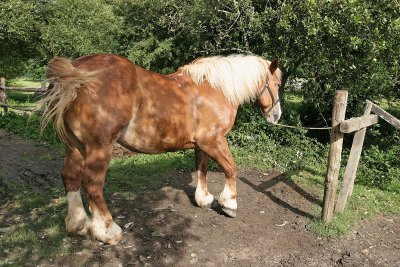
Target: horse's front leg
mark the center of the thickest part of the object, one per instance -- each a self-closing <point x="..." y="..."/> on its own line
<point x="202" y="196"/>
<point x="219" y="151"/>
<point x="101" y="227"/>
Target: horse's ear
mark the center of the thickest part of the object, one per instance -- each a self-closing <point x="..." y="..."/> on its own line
<point x="273" y="66"/>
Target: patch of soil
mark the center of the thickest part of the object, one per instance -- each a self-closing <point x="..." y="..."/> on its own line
<point x="165" y="228"/>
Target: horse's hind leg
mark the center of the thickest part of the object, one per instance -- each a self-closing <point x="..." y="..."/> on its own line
<point x="102" y="227"/>
<point x="202" y="196"/>
<point x="71" y="174"/>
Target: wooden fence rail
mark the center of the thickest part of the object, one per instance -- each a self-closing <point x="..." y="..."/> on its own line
<point x="4" y="100"/>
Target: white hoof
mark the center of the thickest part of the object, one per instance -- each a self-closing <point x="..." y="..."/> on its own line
<point x="203" y="200"/>
<point x="111" y="235"/>
<point x="98" y="229"/>
<point x="76" y="220"/>
<point x="228" y="204"/>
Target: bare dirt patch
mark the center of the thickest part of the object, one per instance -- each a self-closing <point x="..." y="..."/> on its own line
<point x="163" y="227"/>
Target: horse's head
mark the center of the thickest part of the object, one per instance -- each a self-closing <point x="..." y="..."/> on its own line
<point x="268" y="98"/>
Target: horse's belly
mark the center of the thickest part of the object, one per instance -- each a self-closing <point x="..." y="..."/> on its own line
<point x="154" y="140"/>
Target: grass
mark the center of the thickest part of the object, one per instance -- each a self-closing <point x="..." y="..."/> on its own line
<point x="132" y="175"/>
<point x="36" y="223"/>
<point x="24" y="82"/>
<point x="364" y="203"/>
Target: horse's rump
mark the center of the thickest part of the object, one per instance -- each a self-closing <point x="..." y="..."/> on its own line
<point x="66" y="79"/>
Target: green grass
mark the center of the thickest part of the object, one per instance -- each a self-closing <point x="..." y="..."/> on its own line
<point x="131" y="175"/>
<point x="37" y="227"/>
<point x="24" y="82"/>
<point x="364" y="203"/>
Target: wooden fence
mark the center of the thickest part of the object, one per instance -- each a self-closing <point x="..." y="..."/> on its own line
<point x="3" y="94"/>
<point x="339" y="128"/>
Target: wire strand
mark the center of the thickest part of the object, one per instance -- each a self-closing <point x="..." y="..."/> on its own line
<point x="302" y="127"/>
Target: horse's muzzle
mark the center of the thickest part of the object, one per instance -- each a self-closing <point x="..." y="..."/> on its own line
<point x="273" y="115"/>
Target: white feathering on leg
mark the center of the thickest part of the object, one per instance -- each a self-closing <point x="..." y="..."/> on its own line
<point x="202" y="199"/>
<point x="225" y="199"/>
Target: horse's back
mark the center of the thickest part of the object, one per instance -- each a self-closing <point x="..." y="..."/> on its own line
<point x="101" y="61"/>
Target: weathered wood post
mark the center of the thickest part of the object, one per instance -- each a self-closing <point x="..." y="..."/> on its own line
<point x="335" y="154"/>
<point x="43" y="86"/>
<point x="385" y="115"/>
<point x="3" y="95"/>
<point x="352" y="165"/>
<point x="43" y="90"/>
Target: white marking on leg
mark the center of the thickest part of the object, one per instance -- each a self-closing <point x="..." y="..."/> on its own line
<point x="203" y="199"/>
<point x="110" y="235"/>
<point x="76" y="215"/>
<point x="225" y="198"/>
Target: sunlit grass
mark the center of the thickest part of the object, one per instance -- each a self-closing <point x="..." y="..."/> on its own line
<point x="364" y="203"/>
<point x="24" y="82"/>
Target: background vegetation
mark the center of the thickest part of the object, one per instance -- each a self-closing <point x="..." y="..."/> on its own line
<point x="322" y="46"/>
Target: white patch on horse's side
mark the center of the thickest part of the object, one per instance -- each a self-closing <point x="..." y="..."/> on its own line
<point x="77" y="219"/>
<point x="225" y="199"/>
<point x="202" y="199"/>
<point x="110" y="235"/>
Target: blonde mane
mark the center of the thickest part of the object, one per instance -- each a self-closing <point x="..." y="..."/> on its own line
<point x="239" y="77"/>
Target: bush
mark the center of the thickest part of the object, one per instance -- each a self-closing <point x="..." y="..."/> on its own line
<point x="28" y="126"/>
<point x="287" y="149"/>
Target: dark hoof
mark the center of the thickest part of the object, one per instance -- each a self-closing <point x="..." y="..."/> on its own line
<point x="229" y="212"/>
<point x="208" y="206"/>
<point x="212" y="205"/>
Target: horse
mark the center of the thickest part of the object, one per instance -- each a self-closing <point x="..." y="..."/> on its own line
<point x="97" y="100"/>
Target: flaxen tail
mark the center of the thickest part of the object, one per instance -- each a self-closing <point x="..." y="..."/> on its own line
<point x="66" y="80"/>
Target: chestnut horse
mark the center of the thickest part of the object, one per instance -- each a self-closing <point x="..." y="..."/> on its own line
<point x="98" y="100"/>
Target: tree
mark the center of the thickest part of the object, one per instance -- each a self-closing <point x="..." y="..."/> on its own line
<point x="19" y="35"/>
<point x="334" y="45"/>
<point x="74" y="28"/>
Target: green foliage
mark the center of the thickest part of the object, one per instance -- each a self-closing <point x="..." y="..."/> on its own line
<point x="329" y="44"/>
<point x="19" y="35"/>
<point x="339" y="44"/>
<point x="380" y="161"/>
<point x="75" y="28"/>
<point x="286" y="149"/>
<point x="32" y="32"/>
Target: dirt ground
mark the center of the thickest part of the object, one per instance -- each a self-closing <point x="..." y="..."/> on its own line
<point x="165" y="228"/>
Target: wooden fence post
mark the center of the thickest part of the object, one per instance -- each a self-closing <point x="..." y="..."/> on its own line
<point x="42" y="87"/>
<point x="335" y="154"/>
<point x="352" y="165"/>
<point x="3" y="95"/>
